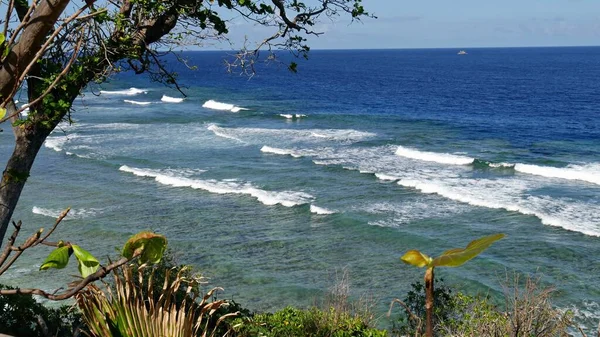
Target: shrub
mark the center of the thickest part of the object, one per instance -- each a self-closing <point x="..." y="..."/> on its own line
<point x="292" y="322"/>
<point x="22" y="315"/>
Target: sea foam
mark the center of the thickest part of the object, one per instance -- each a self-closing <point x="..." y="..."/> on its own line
<point x="214" y="105"/>
<point x="269" y="198"/>
<point x="127" y="92"/>
<point x="136" y="102"/>
<point x="169" y="99"/>
<point x="442" y="158"/>
<point x="589" y="172"/>
<point x="73" y="213"/>
<point x="274" y="150"/>
<point x="320" y="210"/>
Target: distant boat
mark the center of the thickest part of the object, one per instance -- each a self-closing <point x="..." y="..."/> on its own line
<point x="462" y="52"/>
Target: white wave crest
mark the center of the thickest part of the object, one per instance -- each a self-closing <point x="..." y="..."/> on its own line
<point x="269" y="198"/>
<point x="387" y="177"/>
<point x="589" y="172"/>
<point x="169" y="99"/>
<point x="127" y="92"/>
<point x="562" y="213"/>
<point x="442" y="158"/>
<point x="274" y="150"/>
<point x="56" y="143"/>
<point x="214" y="105"/>
<point x="73" y="213"/>
<point x="292" y="116"/>
<point x="136" y="102"/>
<point x="320" y="210"/>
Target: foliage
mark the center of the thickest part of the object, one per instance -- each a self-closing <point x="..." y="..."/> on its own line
<point x="127" y="310"/>
<point x="298" y="323"/>
<point x="446" y="307"/>
<point x="21" y="314"/>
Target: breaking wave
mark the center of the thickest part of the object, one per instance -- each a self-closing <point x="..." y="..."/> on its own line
<point x="229" y="186"/>
<point x="274" y="150"/>
<point x="127" y="92"/>
<point x="292" y="116"/>
<point x="320" y="210"/>
<point x="136" y="102"/>
<point x="214" y="105"/>
<point x="442" y="158"/>
<point x="589" y="172"/>
<point x="73" y="213"/>
<point x="169" y="99"/>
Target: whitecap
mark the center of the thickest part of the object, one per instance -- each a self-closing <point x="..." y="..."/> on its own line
<point x="288" y="116"/>
<point x="274" y="150"/>
<point x="386" y="177"/>
<point x="136" y="102"/>
<point x="320" y="210"/>
<point x="169" y="99"/>
<point x="269" y="198"/>
<point x="73" y="213"/>
<point x="222" y="132"/>
<point x="588" y="172"/>
<point x="127" y="92"/>
<point x="442" y="158"/>
<point x="214" y="105"/>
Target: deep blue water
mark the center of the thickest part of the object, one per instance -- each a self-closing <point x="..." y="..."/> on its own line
<point x="349" y="163"/>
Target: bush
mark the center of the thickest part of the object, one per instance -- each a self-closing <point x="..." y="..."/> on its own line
<point x="292" y="322"/>
<point x="22" y="315"/>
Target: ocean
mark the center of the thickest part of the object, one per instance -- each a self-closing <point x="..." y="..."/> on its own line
<point x="272" y="185"/>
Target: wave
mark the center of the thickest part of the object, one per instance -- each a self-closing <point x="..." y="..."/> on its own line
<point x="128" y="92"/>
<point x="73" y="213"/>
<point x="56" y="143"/>
<point x="589" y="172"/>
<point x="320" y="210"/>
<point x="552" y="212"/>
<point x="442" y="158"/>
<point x="169" y="99"/>
<point x="292" y="116"/>
<point x="386" y="177"/>
<point x="136" y="102"/>
<point x="274" y="150"/>
<point x="214" y="105"/>
<point x="269" y="198"/>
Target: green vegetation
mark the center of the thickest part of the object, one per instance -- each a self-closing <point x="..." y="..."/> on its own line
<point x="450" y="258"/>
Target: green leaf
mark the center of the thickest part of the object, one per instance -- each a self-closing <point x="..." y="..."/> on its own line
<point x="88" y="264"/>
<point x="2" y="38"/>
<point x="58" y="258"/>
<point x="416" y="258"/>
<point x="149" y="246"/>
<point x="2" y="113"/>
<point x="458" y="256"/>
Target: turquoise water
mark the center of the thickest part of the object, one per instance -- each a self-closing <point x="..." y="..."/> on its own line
<point x="270" y="185"/>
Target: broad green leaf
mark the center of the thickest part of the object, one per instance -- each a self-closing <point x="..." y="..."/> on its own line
<point x="149" y="245"/>
<point x="2" y="38"/>
<point x="58" y="259"/>
<point x="88" y="264"/>
<point x="2" y="113"/>
<point x="458" y="256"/>
<point x="416" y="258"/>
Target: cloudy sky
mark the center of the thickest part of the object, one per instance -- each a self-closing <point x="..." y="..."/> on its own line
<point x="457" y="24"/>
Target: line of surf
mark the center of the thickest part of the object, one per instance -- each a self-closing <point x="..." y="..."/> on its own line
<point x="136" y="102"/>
<point x="269" y="198"/>
<point x="214" y="105"/>
<point x="127" y="92"/>
<point x="169" y="99"/>
<point x="589" y="172"/>
<point x="274" y="150"/>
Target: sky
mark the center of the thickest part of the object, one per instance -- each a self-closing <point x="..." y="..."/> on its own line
<point x="456" y="24"/>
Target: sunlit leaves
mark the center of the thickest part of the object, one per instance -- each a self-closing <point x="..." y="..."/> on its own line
<point x="149" y="246"/>
<point x="416" y="258"/>
<point x="88" y="264"/>
<point x="2" y="112"/>
<point x="58" y="259"/>
<point x="458" y="256"/>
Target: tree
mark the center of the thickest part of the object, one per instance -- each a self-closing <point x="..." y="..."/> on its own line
<point x="56" y="47"/>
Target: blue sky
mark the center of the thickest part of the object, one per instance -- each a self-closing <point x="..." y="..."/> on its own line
<point x="458" y="24"/>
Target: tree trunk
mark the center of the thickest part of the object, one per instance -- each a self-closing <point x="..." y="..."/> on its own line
<point x="429" y="301"/>
<point x="27" y="144"/>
